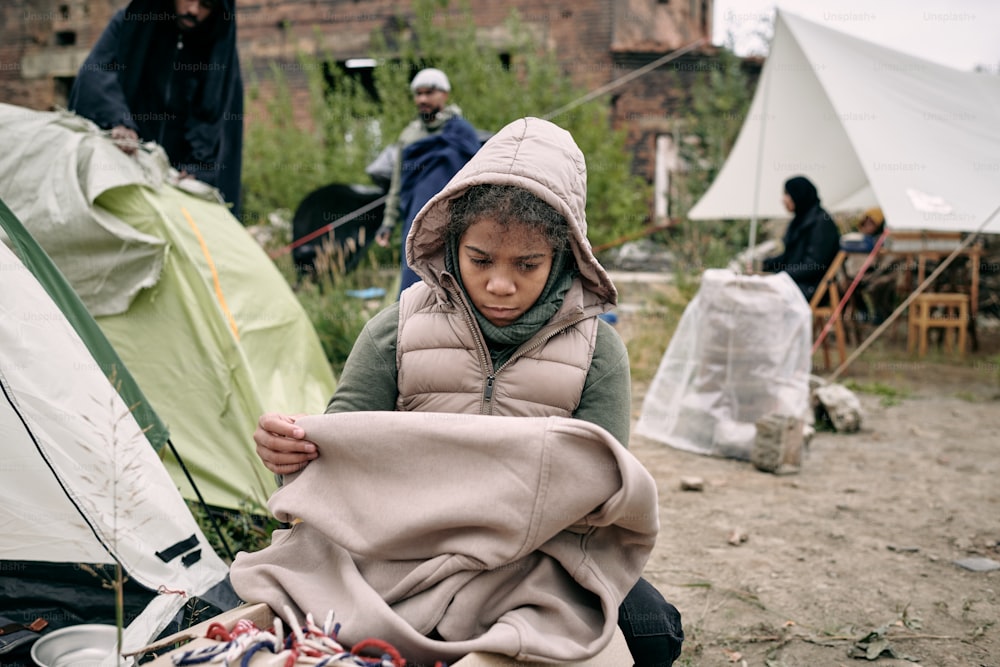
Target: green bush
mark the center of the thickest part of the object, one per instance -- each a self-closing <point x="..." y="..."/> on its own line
<point x="720" y="100"/>
<point x="284" y="162"/>
<point x="337" y="315"/>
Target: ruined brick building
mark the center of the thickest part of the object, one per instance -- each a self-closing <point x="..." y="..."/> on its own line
<point x="43" y="43"/>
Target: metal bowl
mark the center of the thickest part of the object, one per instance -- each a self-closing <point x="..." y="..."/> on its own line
<point x="88" y="645"/>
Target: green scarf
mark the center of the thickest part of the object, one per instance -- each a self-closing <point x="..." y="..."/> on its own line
<point x="504" y="341"/>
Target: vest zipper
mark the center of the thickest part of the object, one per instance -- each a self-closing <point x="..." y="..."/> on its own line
<point x="486" y="406"/>
<point x="536" y="343"/>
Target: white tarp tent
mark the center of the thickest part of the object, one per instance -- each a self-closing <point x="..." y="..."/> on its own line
<point x="80" y="482"/>
<point x="868" y="125"/>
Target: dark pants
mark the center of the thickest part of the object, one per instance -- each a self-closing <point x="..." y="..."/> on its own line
<point x="651" y="625"/>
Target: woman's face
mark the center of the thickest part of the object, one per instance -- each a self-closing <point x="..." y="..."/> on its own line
<point x="504" y="268"/>
<point x="789" y="204"/>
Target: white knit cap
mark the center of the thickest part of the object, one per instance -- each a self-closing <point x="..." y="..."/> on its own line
<point x="430" y="78"/>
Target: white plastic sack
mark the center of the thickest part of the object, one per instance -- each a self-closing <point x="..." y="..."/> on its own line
<point x="742" y="350"/>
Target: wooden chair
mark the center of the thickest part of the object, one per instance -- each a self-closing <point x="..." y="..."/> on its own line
<point x="829" y="286"/>
<point x="946" y="311"/>
<point x="961" y="277"/>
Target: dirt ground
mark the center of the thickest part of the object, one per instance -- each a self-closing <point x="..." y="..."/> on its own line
<point x="851" y="559"/>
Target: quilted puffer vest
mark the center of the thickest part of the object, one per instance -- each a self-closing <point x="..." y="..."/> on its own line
<point x="443" y="366"/>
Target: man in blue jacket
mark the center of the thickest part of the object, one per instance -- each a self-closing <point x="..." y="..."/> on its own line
<point x="432" y="148"/>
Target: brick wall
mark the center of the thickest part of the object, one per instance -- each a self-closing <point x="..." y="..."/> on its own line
<point x="651" y="105"/>
<point x="43" y="42"/>
<point x="42" y="45"/>
<point x="581" y="31"/>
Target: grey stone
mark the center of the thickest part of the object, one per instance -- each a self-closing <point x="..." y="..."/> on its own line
<point x="778" y="444"/>
<point x="842" y="406"/>
<point x="977" y="564"/>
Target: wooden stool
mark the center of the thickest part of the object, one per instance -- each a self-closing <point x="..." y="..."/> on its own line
<point x="949" y="312"/>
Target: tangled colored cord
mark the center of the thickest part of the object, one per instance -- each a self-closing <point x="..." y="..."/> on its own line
<point x="312" y="641"/>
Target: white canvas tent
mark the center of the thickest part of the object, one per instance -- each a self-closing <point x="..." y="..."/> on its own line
<point x="81" y="483"/>
<point x="869" y="126"/>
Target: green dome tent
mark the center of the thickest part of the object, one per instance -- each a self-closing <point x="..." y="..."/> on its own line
<point x="199" y="314"/>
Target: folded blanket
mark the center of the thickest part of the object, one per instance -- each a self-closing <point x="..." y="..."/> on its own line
<point x="447" y="534"/>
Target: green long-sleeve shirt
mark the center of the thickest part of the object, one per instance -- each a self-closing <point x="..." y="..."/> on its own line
<point x="368" y="381"/>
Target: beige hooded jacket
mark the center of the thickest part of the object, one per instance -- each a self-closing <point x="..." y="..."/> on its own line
<point x="512" y="536"/>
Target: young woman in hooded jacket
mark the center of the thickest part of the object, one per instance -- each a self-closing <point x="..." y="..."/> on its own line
<point x="504" y="322"/>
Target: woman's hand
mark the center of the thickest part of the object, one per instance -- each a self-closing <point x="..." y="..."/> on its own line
<point x="281" y="445"/>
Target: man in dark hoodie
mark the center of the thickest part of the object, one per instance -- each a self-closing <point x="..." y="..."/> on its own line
<point x="168" y="71"/>
<point x="811" y="240"/>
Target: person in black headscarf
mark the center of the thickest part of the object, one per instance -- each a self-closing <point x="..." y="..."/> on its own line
<point x="811" y="241"/>
<point x="168" y="71"/>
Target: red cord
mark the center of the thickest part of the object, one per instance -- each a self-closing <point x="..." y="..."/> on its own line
<point x="385" y="647"/>
<point x="218" y="632"/>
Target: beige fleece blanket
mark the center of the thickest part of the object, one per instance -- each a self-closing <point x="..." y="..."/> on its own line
<point x="511" y="535"/>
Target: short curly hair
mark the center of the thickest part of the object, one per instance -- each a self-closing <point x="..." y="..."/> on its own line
<point x="507" y="205"/>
